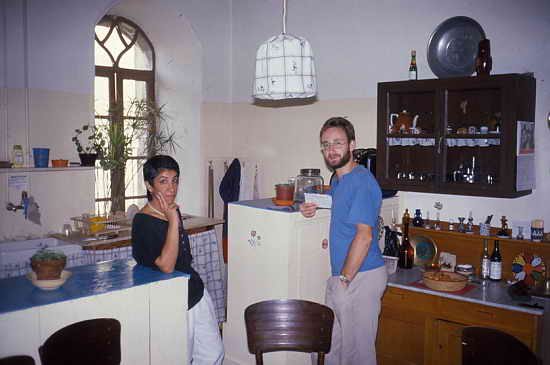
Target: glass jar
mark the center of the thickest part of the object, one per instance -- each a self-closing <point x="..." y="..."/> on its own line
<point x="466" y="270"/>
<point x="309" y="181"/>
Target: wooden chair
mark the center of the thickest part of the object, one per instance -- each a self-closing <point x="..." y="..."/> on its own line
<point x="17" y="360"/>
<point x="489" y="346"/>
<point x="288" y="325"/>
<point x="90" y="342"/>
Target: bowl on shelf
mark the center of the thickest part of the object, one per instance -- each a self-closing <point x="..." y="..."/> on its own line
<point x="49" y="284"/>
<point x="60" y="163"/>
<point x="444" y="280"/>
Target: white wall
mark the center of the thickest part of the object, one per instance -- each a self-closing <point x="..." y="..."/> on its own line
<point x="360" y="43"/>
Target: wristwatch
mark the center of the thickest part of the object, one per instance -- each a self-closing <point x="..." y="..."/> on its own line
<point x="344" y="279"/>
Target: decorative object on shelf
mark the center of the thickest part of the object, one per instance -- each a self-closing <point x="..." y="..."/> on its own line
<point x="520" y="235"/>
<point x="417" y="220"/>
<point x="41" y="157"/>
<point x="437" y="224"/>
<point x="470" y="224"/>
<point x="537" y="230"/>
<point x="17" y="156"/>
<point x="503" y="231"/>
<point x="413" y="72"/>
<point x="466" y="270"/>
<point x="461" y="227"/>
<point x="427" y="225"/>
<point x="451" y="224"/>
<point x="49" y="284"/>
<point x="484" y="229"/>
<point x="425" y="250"/>
<point x="453" y="46"/>
<point x="447" y="261"/>
<point x="406" y="251"/>
<point x="484" y="61"/>
<point x="48" y="264"/>
<point x="530" y="268"/>
<point x="285" y="67"/>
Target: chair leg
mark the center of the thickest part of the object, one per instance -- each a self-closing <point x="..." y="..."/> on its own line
<point x="259" y="359"/>
<point x="321" y="358"/>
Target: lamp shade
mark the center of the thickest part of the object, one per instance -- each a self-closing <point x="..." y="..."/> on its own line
<point x="285" y="69"/>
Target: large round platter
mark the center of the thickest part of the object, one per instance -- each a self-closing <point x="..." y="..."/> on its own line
<point x="425" y="250"/>
<point x="444" y="280"/>
<point x="453" y="45"/>
<point x="529" y="268"/>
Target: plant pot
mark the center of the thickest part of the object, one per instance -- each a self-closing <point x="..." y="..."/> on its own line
<point x="87" y="159"/>
<point x="49" y="269"/>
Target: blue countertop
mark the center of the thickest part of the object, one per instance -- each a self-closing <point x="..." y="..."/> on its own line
<point x="494" y="294"/>
<point x="19" y="293"/>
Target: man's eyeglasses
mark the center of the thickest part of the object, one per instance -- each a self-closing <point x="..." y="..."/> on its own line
<point x="325" y="146"/>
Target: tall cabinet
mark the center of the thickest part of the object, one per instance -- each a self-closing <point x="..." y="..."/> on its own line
<point x="457" y="135"/>
<point x="274" y="254"/>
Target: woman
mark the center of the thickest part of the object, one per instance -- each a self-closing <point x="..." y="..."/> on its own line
<point x="160" y="241"/>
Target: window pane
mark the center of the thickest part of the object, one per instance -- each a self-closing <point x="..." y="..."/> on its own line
<point x="133" y="91"/>
<point x="134" y="178"/>
<point x="101" y="95"/>
<point x="101" y="56"/>
<point x="139" y="57"/>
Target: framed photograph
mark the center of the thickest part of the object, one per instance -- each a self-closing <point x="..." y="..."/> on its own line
<point x="525" y="138"/>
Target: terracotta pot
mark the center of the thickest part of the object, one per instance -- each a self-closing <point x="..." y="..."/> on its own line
<point x="60" y="163"/>
<point x="48" y="270"/>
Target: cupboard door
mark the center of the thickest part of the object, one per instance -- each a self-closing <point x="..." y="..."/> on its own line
<point x="313" y="260"/>
<point x="448" y="344"/>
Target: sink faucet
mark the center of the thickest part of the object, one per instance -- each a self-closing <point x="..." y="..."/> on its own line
<point x="24" y="204"/>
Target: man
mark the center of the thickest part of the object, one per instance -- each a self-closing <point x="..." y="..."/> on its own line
<point x="359" y="276"/>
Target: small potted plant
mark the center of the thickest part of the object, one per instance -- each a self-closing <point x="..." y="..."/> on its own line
<point x="90" y="151"/>
<point x="48" y="264"/>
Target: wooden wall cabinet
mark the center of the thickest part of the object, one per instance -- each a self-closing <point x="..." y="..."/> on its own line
<point x="442" y="155"/>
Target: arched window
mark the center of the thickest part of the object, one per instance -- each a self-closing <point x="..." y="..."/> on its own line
<point x="124" y="76"/>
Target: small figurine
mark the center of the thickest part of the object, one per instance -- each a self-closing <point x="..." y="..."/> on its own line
<point x="417" y="220"/>
<point x="470" y="224"/>
<point x="520" y="233"/>
<point x="503" y="231"/>
<point x="461" y="228"/>
<point x="451" y="225"/>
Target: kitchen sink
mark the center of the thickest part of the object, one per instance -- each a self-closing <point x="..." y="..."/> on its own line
<point x="15" y="255"/>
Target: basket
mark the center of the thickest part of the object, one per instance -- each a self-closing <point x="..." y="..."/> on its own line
<point x="391" y="264"/>
<point x="101" y="225"/>
<point x="456" y="281"/>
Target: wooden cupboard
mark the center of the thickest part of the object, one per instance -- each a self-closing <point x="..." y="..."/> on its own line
<point x="464" y="138"/>
<point x="419" y="328"/>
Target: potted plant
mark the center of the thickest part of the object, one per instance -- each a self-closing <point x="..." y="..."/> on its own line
<point x="48" y="264"/>
<point x="91" y="150"/>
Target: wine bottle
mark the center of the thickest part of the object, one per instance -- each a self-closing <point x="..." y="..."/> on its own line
<point x="496" y="264"/>
<point x="485" y="262"/>
<point x="406" y="251"/>
<point x="417" y="220"/>
<point x="413" y="73"/>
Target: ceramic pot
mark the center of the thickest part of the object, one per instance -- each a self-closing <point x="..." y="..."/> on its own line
<point x="87" y="159"/>
<point x="48" y="270"/>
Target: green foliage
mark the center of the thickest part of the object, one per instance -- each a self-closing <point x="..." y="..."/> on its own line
<point x="45" y="254"/>
<point x="95" y="141"/>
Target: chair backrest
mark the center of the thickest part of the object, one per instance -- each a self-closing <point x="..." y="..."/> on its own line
<point x="288" y="325"/>
<point x="17" y="360"/>
<point x="94" y="341"/>
<point x="489" y="346"/>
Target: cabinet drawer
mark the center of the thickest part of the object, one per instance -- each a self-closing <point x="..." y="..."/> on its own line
<point x="409" y="300"/>
<point x="473" y="313"/>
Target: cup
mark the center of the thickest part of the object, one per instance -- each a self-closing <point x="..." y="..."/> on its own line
<point x="41" y="157"/>
<point x="537" y="230"/>
<point x="484" y="229"/>
<point x="483" y="129"/>
<point x="284" y="192"/>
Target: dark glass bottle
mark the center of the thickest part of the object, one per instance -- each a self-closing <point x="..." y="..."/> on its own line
<point x="484" y="61"/>
<point x="417" y="220"/>
<point x="406" y="251"/>
<point x="496" y="264"/>
<point x="485" y="268"/>
<point x="413" y="72"/>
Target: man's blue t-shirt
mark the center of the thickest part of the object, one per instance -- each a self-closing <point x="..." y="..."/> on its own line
<point x="356" y="198"/>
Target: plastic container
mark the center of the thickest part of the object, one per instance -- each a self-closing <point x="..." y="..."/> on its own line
<point x="18" y="157"/>
<point x="41" y="157"/>
<point x="309" y="181"/>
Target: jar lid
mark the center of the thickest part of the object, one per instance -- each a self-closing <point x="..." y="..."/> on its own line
<point x="464" y="267"/>
<point x="310" y="172"/>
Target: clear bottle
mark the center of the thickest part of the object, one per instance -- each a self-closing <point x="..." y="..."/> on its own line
<point x="485" y="267"/>
<point x="18" y="157"/>
<point x="413" y="72"/>
<point x="309" y="181"/>
<point x="496" y="264"/>
<point x="406" y="251"/>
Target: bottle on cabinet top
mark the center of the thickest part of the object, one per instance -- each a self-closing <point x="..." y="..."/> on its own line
<point x="496" y="263"/>
<point x="485" y="268"/>
<point x="413" y="72"/>
<point x="406" y="251"/>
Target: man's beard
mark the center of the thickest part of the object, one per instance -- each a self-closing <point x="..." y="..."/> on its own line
<point x="343" y="161"/>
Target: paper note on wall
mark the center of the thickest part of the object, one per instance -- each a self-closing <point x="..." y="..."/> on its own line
<point x="16" y="185"/>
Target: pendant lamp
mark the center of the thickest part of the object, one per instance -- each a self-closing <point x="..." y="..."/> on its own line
<point x="285" y="67"/>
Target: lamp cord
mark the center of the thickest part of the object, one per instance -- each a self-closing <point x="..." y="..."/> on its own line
<point x="284" y="16"/>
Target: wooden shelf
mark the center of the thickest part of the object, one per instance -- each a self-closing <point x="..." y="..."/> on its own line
<point x="19" y="170"/>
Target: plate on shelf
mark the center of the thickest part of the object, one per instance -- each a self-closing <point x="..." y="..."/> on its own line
<point x="425" y="250"/>
<point x="529" y="268"/>
<point x="282" y="203"/>
<point x="453" y="46"/>
<point x="49" y="284"/>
